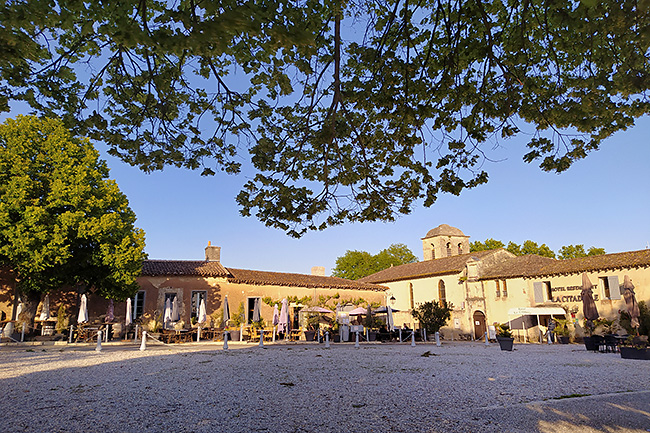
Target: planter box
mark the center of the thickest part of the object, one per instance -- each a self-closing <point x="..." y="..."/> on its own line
<point x="563" y="339"/>
<point x="309" y="335"/>
<point x="634" y="353"/>
<point x="594" y="342"/>
<point x="506" y="343"/>
<point x="234" y="335"/>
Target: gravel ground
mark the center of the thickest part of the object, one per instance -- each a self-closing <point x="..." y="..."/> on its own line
<point x="459" y="387"/>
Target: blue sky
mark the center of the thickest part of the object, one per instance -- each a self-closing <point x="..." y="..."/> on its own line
<point x="600" y="201"/>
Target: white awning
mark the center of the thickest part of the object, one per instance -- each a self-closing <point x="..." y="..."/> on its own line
<point x="536" y="311"/>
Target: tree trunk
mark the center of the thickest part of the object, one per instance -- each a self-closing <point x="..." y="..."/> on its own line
<point x="30" y="301"/>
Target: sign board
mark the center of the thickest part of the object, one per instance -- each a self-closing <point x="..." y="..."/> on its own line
<point x="457" y="323"/>
<point x="536" y="311"/>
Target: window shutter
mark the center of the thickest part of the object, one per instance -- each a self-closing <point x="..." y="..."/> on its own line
<point x="538" y="288"/>
<point x="614" y="287"/>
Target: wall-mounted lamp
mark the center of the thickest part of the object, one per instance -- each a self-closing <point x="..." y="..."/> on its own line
<point x="392" y="300"/>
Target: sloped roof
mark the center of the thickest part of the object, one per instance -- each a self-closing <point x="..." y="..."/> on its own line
<point x="244" y="276"/>
<point x="536" y="266"/>
<point x="426" y="268"/>
<point x="444" y="230"/>
<point x="521" y="266"/>
<point x="628" y="259"/>
<point x="184" y="267"/>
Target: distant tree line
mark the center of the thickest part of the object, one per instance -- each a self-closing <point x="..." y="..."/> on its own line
<point x="530" y="247"/>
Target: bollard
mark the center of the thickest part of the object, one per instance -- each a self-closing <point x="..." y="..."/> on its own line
<point x="143" y="346"/>
<point x="261" y="338"/>
<point x="487" y="342"/>
<point x="356" y="339"/>
<point x="99" y="342"/>
<point x="225" y="340"/>
<point x="327" y="339"/>
<point x="413" y="338"/>
<point x="438" y="339"/>
<point x="400" y="335"/>
<point x="241" y="332"/>
<point x="198" y="334"/>
<point x="273" y="334"/>
<point x="549" y="338"/>
<point x="424" y="334"/>
<point x="135" y="339"/>
<point x="22" y="332"/>
<point x="71" y="332"/>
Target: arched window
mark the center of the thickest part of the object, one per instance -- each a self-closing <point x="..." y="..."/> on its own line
<point x="442" y="293"/>
<point x="448" y="249"/>
<point x="460" y="248"/>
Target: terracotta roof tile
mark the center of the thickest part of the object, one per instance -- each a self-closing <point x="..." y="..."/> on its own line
<point x="515" y="267"/>
<point x="245" y="276"/>
<point x="629" y="259"/>
<point x="183" y="267"/>
<point x="426" y="268"/>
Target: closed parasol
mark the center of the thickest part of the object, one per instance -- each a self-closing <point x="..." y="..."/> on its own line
<point x="283" y="324"/>
<point x="630" y="301"/>
<point x="83" y="310"/>
<point x="129" y="313"/>
<point x="226" y="311"/>
<point x="256" y="311"/>
<point x="589" y="310"/>
<point x="203" y="316"/>
<point x="45" y="312"/>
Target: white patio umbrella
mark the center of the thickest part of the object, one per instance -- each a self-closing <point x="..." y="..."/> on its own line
<point x="359" y="311"/>
<point x="129" y="314"/>
<point x="83" y="310"/>
<point x="276" y="315"/>
<point x="175" y="312"/>
<point x="202" y="314"/>
<point x="45" y="312"/>
<point x="283" y="322"/>
<point x="226" y="311"/>
<point x="167" y="315"/>
<point x="256" y="310"/>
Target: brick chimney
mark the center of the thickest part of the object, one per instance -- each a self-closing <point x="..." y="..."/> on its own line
<point x="212" y="253"/>
<point x="318" y="271"/>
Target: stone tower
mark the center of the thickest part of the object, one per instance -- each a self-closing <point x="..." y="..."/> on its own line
<point x="444" y="241"/>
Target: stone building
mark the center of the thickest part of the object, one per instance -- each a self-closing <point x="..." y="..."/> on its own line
<point x="495" y="286"/>
<point x="190" y="281"/>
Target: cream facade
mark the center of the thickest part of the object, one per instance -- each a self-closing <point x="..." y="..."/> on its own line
<point x="495" y="286"/>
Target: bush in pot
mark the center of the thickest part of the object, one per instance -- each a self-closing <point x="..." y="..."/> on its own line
<point x="504" y="336"/>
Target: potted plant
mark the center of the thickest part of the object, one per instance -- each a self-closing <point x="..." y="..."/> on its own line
<point x="312" y="325"/>
<point x="635" y="347"/>
<point x="504" y="336"/>
<point x="592" y="342"/>
<point x="562" y="330"/>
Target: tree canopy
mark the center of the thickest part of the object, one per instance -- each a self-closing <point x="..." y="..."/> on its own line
<point x="358" y="264"/>
<point x="63" y="223"/>
<point x="433" y="315"/>
<point x="349" y="111"/>
<point x="530" y="247"/>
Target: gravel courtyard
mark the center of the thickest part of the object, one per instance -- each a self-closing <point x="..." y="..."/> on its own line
<point x="459" y="387"/>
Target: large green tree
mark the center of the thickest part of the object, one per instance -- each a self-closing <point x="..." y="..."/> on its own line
<point x="350" y="111"/>
<point x="63" y="223"/>
<point x="358" y="264"/>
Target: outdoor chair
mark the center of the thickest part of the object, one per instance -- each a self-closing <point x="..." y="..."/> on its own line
<point x="611" y="343"/>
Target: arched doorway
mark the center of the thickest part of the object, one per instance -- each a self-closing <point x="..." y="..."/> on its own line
<point x="479" y="324"/>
